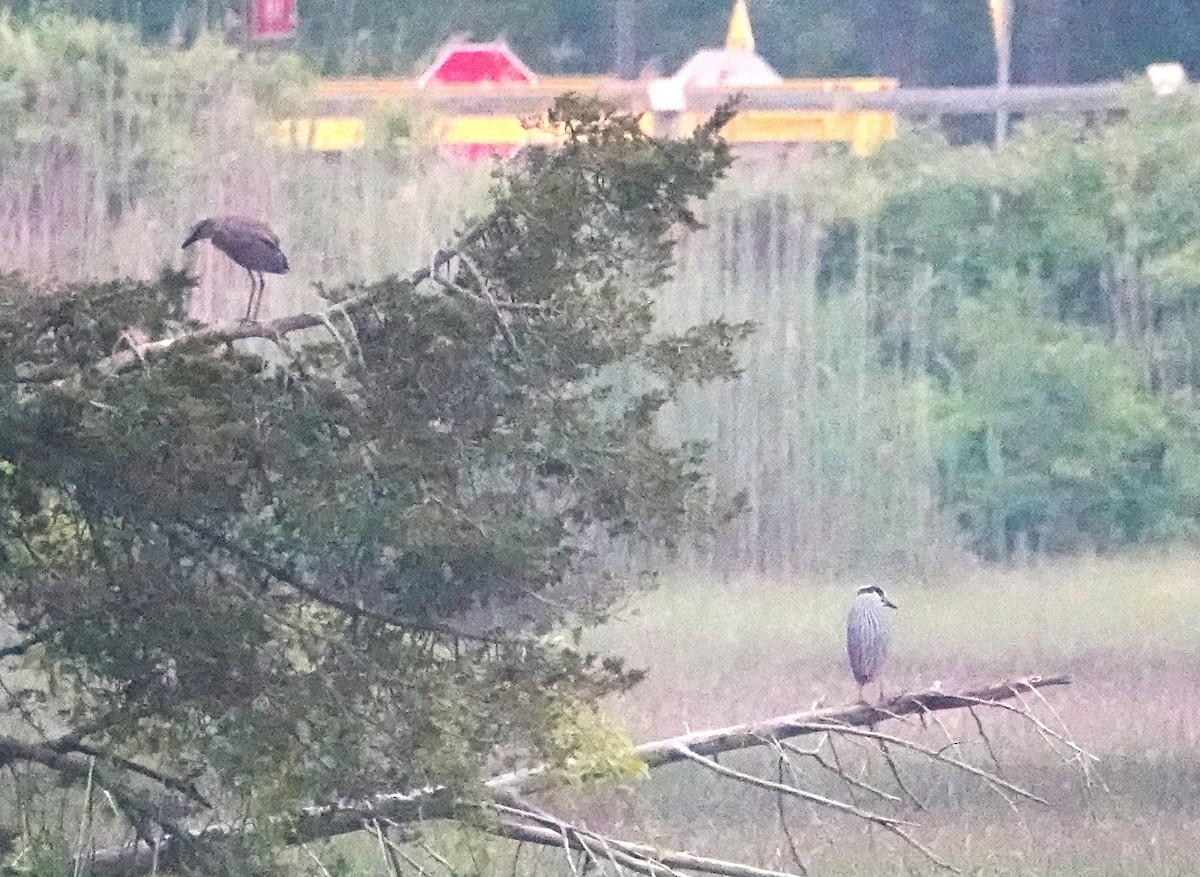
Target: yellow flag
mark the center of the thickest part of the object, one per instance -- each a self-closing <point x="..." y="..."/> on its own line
<point x="740" y="36"/>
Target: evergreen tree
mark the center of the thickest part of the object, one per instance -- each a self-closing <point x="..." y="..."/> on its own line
<point x="264" y="580"/>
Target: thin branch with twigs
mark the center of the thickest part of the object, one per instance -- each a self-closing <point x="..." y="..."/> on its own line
<point x="887" y="823"/>
<point x="526" y="824"/>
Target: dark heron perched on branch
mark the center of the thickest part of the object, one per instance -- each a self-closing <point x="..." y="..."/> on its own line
<point x="248" y="242"/>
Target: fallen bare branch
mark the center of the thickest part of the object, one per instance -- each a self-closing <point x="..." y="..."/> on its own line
<point x="648" y="856"/>
<point x="317" y="822"/>
<point x="816" y="721"/>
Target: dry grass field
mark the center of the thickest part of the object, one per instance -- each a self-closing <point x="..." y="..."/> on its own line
<point x="1126" y="630"/>
<point x="718" y="653"/>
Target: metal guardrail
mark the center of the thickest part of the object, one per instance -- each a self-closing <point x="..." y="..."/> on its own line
<point x="934" y="101"/>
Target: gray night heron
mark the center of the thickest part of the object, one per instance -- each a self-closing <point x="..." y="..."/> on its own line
<point x="247" y="242"/>
<point x="868" y="636"/>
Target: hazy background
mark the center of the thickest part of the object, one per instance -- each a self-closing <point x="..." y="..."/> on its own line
<point x="935" y="42"/>
<point x="974" y="376"/>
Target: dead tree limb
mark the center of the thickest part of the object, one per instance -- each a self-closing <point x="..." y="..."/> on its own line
<point x="401" y="808"/>
<point x="716" y="741"/>
<point x="651" y="861"/>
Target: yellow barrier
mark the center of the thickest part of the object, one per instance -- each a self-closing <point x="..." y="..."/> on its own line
<point x="864" y="130"/>
<point x="324" y="134"/>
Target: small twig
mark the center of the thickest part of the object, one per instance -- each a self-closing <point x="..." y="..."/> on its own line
<point x="384" y="852"/>
<point x="783" y="823"/>
<point x="802" y="794"/>
<point x="486" y="290"/>
<point x="1048" y="734"/>
<point x="86" y="818"/>
<point x="899" y="777"/>
<point x="987" y="742"/>
<point x="352" y="351"/>
<point x="395" y="849"/>
<point x="319" y="863"/>
<point x="1081" y="754"/>
<point x="937" y="755"/>
<point x="837" y="769"/>
<point x="433" y="854"/>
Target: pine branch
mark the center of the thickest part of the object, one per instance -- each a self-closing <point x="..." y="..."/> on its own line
<point x="292" y="579"/>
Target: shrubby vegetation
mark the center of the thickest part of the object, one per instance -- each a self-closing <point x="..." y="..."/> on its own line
<point x="1058" y="317"/>
<point x="883" y="289"/>
<point x="994" y="348"/>
<point x="280" y="582"/>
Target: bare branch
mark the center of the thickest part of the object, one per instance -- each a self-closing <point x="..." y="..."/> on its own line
<point x="175" y="784"/>
<point x="141" y="813"/>
<point x="781" y="811"/>
<point x="895" y="826"/>
<point x="648" y="856"/>
<point x="438" y="802"/>
<point x="937" y="755"/>
<point x="836" y="769"/>
<point x="802" y="794"/>
<point x="816" y="721"/>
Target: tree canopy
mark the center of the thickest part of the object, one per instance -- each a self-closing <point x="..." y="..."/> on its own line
<point x="337" y="566"/>
<point x="920" y="42"/>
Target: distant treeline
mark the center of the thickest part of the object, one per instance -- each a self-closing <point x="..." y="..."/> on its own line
<point x="995" y="348"/>
<point x="997" y="351"/>
<point x="946" y="42"/>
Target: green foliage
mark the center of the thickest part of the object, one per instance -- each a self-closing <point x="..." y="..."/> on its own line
<point x="316" y="574"/>
<point x="1045" y="436"/>
<point x="1046" y="290"/>
<point x="588" y="748"/>
<point x="85" y="99"/>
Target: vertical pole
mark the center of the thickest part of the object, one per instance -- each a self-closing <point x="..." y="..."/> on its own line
<point x="1002" y="32"/>
<point x="625" y="33"/>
